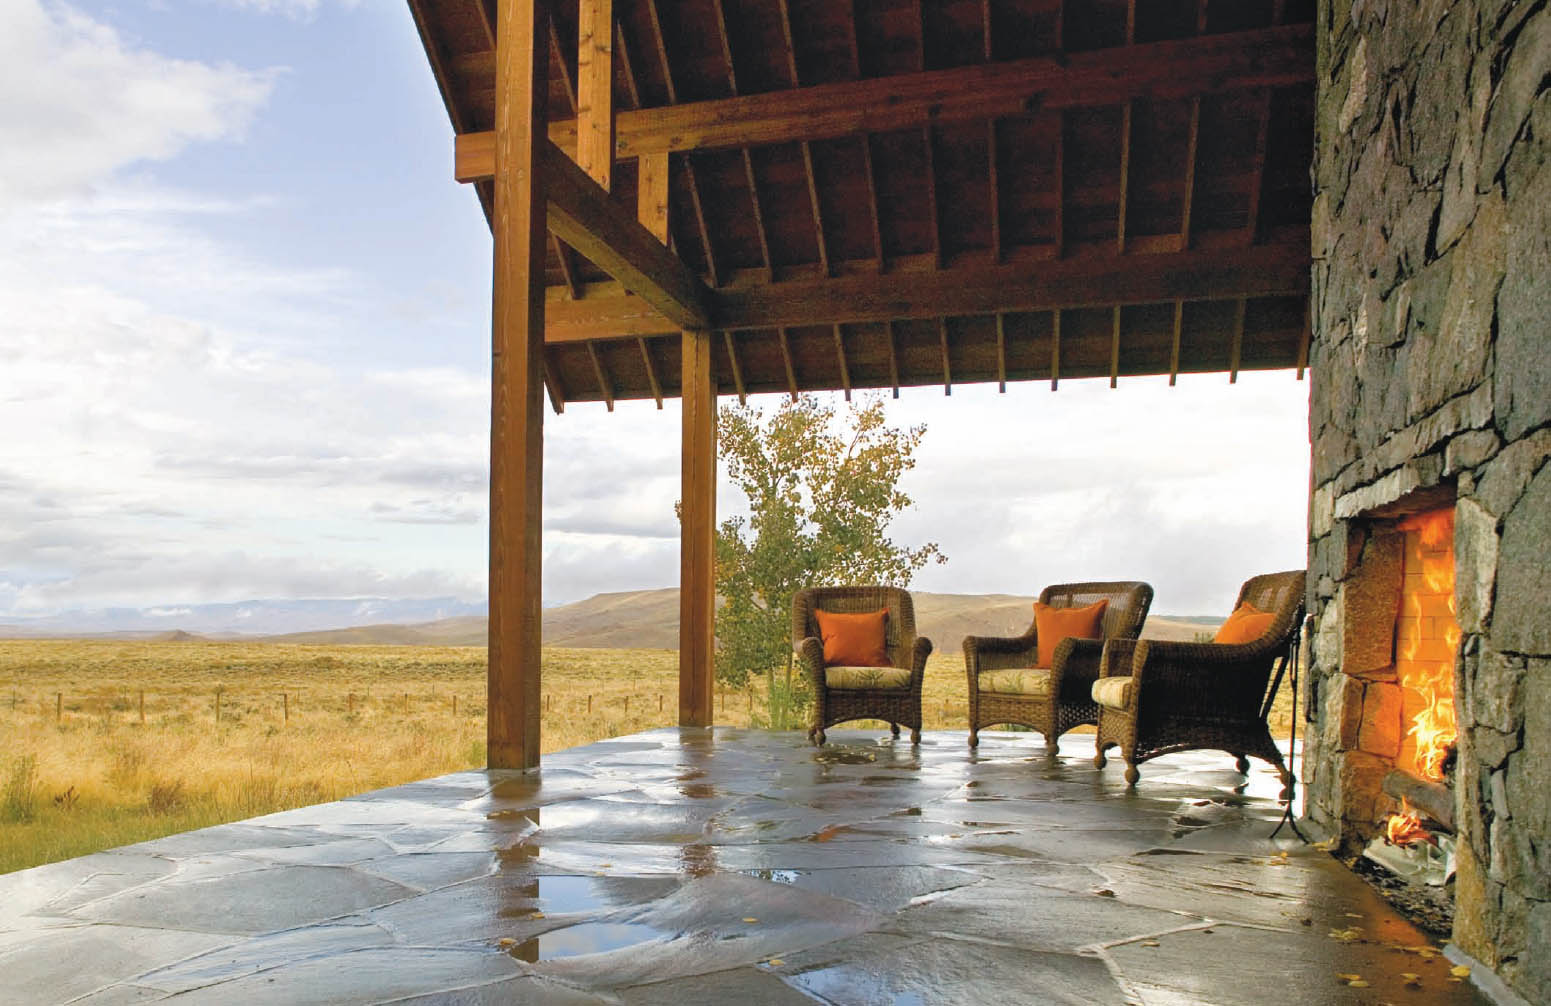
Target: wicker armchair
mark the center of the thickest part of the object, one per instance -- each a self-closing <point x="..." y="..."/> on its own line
<point x="1056" y="700"/>
<point x="1159" y="697"/>
<point x="896" y="704"/>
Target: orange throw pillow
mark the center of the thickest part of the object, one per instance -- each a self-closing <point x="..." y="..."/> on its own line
<point x="1247" y="624"/>
<point x="853" y="640"/>
<point x="1051" y="625"/>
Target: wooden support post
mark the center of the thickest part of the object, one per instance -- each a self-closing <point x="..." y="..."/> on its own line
<point x="595" y="90"/>
<point x="1114" y="351"/>
<point x="786" y="358"/>
<point x="1238" y="341"/>
<point x="1304" y="339"/>
<point x="517" y="383"/>
<point x="697" y="549"/>
<point x="1055" y="349"/>
<point x="652" y="195"/>
<point x="947" y="366"/>
<point x="1179" y="324"/>
<point x="737" y="368"/>
<point x="845" y="370"/>
<point x="893" y="359"/>
<point x="1001" y="353"/>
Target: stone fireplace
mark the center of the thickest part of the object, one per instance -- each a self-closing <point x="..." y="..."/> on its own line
<point x="1431" y="402"/>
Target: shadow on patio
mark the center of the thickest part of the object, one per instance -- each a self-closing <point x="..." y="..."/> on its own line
<point x="688" y="866"/>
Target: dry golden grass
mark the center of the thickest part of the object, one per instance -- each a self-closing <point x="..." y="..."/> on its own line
<point x="82" y="772"/>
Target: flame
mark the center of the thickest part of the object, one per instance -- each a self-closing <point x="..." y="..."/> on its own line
<point x="1405" y="828"/>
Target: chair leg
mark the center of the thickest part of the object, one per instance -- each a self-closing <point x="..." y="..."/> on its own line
<point x="1099" y="760"/>
<point x="1052" y="747"/>
<point x="1132" y="774"/>
<point x="1242" y="764"/>
<point x="894" y="729"/>
<point x="974" y="737"/>
<point x="915" y="735"/>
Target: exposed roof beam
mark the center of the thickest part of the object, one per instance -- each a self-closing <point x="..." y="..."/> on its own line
<point x="1001" y="353"/>
<point x="737" y="368"/>
<point x="651" y="197"/>
<point x="786" y="358"/>
<point x="933" y="217"/>
<point x="1179" y="324"/>
<point x="441" y="70"/>
<point x="1114" y="351"/>
<point x="627" y="64"/>
<point x="700" y="220"/>
<point x="845" y="371"/>
<point x="662" y="56"/>
<point x="1125" y="175"/>
<point x="1280" y="269"/>
<point x="1192" y="142"/>
<point x="566" y="78"/>
<point x="567" y="268"/>
<point x="553" y="386"/>
<point x="1059" y="155"/>
<point x="893" y="359"/>
<point x="651" y="370"/>
<point x="605" y="385"/>
<point x="581" y="214"/>
<point x="947" y="364"/>
<point x="1025" y="286"/>
<point x="818" y="212"/>
<point x="1055" y="349"/>
<point x="995" y="186"/>
<point x="872" y="200"/>
<point x="1172" y="70"/>
<point x="1258" y="172"/>
<point x="759" y="215"/>
<point x="791" y="43"/>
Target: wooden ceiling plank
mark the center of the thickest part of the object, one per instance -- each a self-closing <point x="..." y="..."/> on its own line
<point x="818" y="213"/>
<point x="1258" y="171"/>
<point x="840" y="353"/>
<point x="627" y="65"/>
<point x="567" y="268"/>
<point x="604" y="384"/>
<point x="1179" y="325"/>
<point x="920" y="13"/>
<point x="595" y="90"/>
<point x="1174" y="70"/>
<point x="1304" y="339"/>
<point x="872" y="201"/>
<point x="893" y="358"/>
<point x="947" y="365"/>
<point x="996" y="188"/>
<point x="1001" y="353"/>
<point x="662" y="52"/>
<point x="759" y="216"/>
<point x="1239" y="309"/>
<point x="651" y="369"/>
<point x="934" y="219"/>
<point x="700" y="221"/>
<point x="856" y="45"/>
<point x="1130" y="22"/>
<point x="1125" y="176"/>
<point x="1201" y="12"/>
<point x="1114" y="351"/>
<point x="581" y="214"/>
<point x="1192" y="143"/>
<point x="786" y="358"/>
<point x="737" y="367"/>
<point x="1055" y="349"/>
<point x="558" y="51"/>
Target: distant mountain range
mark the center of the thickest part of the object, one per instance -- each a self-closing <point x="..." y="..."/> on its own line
<point x="640" y="619"/>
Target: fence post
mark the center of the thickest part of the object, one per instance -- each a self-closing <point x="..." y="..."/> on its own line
<point x="455" y="704"/>
<point x="659" y="702"/>
<point x="218" y="705"/>
<point x="627" y="705"/>
<point x="285" y="705"/>
<point x="589" y="702"/>
<point x="142" y="707"/>
<point x="350" y="702"/>
<point x="59" y="707"/>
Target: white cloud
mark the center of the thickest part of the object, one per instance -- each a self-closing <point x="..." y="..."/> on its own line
<point x="78" y="102"/>
<point x="299" y="10"/>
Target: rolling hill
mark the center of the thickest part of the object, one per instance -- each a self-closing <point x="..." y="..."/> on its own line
<point x="649" y="619"/>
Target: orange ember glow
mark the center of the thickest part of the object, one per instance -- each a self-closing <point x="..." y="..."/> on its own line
<point x="1427" y="642"/>
<point x="1405" y="828"/>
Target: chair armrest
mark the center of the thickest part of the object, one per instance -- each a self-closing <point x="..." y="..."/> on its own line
<point x="1075" y="667"/>
<point x="1122" y="657"/>
<point x="1229" y="676"/>
<point x="991" y="653"/>
<point x="918" y="654"/>
<point x="810" y="652"/>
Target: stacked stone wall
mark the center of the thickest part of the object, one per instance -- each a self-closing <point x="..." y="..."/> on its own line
<point x="1431" y="366"/>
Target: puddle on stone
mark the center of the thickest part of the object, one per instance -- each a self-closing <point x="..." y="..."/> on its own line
<point x="561" y="895"/>
<point x="586" y="938"/>
<point x="777" y="876"/>
<point x="843" y="756"/>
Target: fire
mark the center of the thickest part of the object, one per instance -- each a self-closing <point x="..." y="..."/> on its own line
<point x="1405" y="828"/>
<point x="1428" y="644"/>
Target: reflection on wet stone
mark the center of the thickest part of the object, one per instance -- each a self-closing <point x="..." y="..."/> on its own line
<point x="724" y="865"/>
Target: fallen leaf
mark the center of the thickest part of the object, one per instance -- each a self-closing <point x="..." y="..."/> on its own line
<point x="1104" y="892"/>
<point x="1328" y="845"/>
<point x="749" y="918"/>
<point x="1353" y="915"/>
<point x="1150" y="943"/>
<point x="1346" y="935"/>
<point x="535" y="915"/>
<point x="1358" y="984"/>
<point x="1348" y="978"/>
<point x="1411" y="978"/>
<point x="506" y="941"/>
<point x="1460" y="971"/>
<point x="775" y="962"/>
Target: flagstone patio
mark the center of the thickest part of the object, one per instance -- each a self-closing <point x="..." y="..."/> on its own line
<point x="684" y="866"/>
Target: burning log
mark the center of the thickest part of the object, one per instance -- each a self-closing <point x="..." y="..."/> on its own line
<point x="1431" y="798"/>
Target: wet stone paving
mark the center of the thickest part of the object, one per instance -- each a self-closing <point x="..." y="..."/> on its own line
<point x="733" y="866"/>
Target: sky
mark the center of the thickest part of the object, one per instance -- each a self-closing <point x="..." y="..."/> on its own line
<point x="244" y="353"/>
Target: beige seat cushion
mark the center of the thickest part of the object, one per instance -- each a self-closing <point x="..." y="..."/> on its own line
<point x="1113" y="692"/>
<point x="1033" y="681"/>
<point x="841" y="676"/>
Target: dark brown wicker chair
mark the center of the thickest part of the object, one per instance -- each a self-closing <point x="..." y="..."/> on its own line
<point x="896" y="706"/>
<point x="1062" y="696"/>
<point x="1159" y="697"/>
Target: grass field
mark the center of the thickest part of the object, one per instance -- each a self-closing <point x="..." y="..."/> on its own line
<point x="81" y="770"/>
